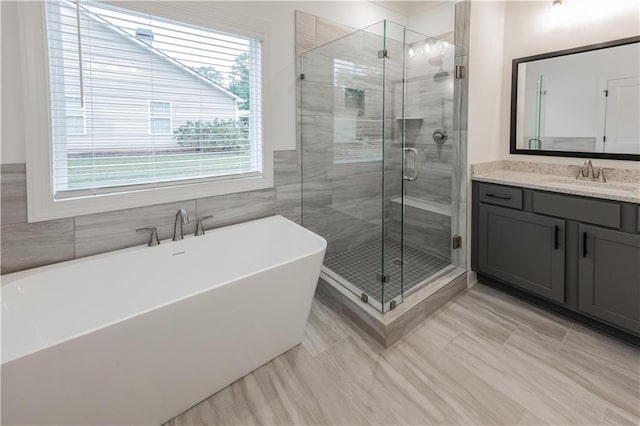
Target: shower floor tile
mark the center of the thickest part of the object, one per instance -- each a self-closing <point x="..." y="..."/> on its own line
<point x="360" y="265"/>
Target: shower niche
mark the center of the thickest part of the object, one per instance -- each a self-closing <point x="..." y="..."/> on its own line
<point x="375" y="182"/>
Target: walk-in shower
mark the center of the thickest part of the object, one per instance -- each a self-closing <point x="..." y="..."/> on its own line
<point x="381" y="159"/>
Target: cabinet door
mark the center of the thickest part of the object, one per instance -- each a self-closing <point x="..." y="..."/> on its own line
<point x="523" y="249"/>
<point x="609" y="276"/>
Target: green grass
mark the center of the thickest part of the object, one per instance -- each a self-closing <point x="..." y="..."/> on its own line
<point x="110" y="171"/>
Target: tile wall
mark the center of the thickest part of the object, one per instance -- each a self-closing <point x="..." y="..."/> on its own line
<point x="28" y="245"/>
<point x="343" y="200"/>
<point x="353" y="190"/>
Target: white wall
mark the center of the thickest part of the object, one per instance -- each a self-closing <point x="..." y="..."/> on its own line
<point x="12" y="150"/>
<point x="280" y="74"/>
<point x="431" y="20"/>
<point x="485" y="76"/>
<point x="533" y="27"/>
<point x="485" y="81"/>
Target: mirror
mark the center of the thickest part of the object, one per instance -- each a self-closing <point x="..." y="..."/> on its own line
<point x="582" y="102"/>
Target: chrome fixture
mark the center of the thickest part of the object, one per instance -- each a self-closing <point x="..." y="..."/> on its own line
<point x="440" y="136"/>
<point x="556" y="3"/>
<point x="601" y="176"/>
<point x="535" y="143"/>
<point x="199" y="227"/>
<point x="415" y="164"/>
<point x="181" y="218"/>
<point x="153" y="238"/>
<point x="587" y="172"/>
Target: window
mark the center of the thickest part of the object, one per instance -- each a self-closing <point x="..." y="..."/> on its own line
<point x="75" y="118"/>
<point x="159" y="118"/>
<point x="120" y="135"/>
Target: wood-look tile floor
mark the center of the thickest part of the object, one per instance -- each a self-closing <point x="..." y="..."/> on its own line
<point x="484" y="358"/>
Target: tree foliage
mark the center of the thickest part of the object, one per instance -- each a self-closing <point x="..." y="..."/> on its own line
<point x="211" y="73"/>
<point x="237" y="82"/>
<point x="216" y="135"/>
<point x="239" y="85"/>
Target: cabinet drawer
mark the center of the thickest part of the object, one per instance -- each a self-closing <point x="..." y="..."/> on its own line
<point x="587" y="210"/>
<point x="500" y="195"/>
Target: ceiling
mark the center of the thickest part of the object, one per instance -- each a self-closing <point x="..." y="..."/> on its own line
<point x="409" y="7"/>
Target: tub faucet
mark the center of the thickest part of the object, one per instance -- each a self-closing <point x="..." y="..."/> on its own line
<point x="181" y="218"/>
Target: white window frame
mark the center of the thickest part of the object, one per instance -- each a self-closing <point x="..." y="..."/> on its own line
<point x="41" y="202"/>
<point x="82" y="113"/>
<point x="156" y="115"/>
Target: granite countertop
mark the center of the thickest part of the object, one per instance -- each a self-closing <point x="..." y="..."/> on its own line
<point x="621" y="185"/>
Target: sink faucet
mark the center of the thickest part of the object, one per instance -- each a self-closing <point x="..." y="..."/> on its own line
<point x="181" y="218"/>
<point x="587" y="172"/>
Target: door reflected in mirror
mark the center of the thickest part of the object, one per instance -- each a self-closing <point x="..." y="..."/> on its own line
<point x="580" y="102"/>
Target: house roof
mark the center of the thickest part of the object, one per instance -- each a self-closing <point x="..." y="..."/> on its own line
<point x="153" y="50"/>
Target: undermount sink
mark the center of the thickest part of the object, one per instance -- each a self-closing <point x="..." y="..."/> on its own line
<point x="586" y="184"/>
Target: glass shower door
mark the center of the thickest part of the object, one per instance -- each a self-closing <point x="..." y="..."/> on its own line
<point x="429" y="159"/>
<point x="380" y="159"/>
<point x="395" y="157"/>
<point x="342" y="135"/>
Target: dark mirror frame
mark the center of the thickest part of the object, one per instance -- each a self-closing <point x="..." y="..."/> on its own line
<point x="514" y="102"/>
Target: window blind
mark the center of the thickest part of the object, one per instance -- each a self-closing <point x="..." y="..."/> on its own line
<point x="139" y="100"/>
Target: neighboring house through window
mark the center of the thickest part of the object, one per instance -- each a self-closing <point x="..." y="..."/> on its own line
<point x="159" y="118"/>
<point x="171" y="110"/>
<point x="75" y="117"/>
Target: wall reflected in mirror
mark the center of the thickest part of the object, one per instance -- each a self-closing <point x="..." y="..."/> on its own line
<point x="586" y="102"/>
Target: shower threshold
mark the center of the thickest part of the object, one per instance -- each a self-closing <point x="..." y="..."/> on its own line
<point x="389" y="327"/>
<point x="422" y="296"/>
<point x="359" y="269"/>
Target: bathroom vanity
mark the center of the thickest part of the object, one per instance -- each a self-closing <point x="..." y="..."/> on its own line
<point x="568" y="244"/>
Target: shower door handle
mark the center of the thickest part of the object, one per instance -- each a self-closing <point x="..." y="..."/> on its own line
<point x="415" y="164"/>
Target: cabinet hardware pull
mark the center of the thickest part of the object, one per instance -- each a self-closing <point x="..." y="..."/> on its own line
<point x="556" y="243"/>
<point x="502" y="197"/>
<point x="584" y="244"/>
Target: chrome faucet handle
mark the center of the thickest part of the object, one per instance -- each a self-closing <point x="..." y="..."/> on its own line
<point x="153" y="238"/>
<point x="199" y="226"/>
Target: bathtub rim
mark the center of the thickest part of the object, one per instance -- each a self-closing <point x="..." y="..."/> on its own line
<point x="7" y="360"/>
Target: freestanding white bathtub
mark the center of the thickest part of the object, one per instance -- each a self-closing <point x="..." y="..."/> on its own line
<point x="139" y="335"/>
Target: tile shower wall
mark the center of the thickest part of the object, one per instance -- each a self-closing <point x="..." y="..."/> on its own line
<point x="28" y="245"/>
<point x="344" y="203"/>
<point x="343" y="180"/>
<point x="440" y="187"/>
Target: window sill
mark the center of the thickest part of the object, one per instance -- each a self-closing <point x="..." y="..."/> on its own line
<point x="42" y="206"/>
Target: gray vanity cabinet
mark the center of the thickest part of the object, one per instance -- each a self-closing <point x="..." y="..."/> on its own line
<point x="576" y="255"/>
<point x="609" y="276"/>
<point x="523" y="249"/>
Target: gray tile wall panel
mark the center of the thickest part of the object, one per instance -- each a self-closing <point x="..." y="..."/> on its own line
<point x="28" y="245"/>
<point x="103" y="232"/>
<point x="13" y="193"/>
